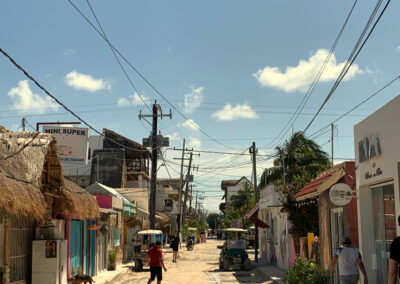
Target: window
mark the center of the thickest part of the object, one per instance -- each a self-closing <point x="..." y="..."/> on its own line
<point x="168" y="204"/>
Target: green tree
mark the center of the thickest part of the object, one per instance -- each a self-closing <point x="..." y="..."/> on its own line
<point x="240" y="203"/>
<point x="297" y="162"/>
<point x="212" y="220"/>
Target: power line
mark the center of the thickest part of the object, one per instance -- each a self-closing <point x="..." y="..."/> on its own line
<point x="62" y="104"/>
<point x="310" y="90"/>
<point x="352" y="58"/>
<point x="144" y="78"/>
<point x="115" y="55"/>
<point x="355" y="107"/>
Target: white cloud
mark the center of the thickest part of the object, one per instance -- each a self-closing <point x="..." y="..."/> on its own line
<point x="299" y="78"/>
<point x="174" y="136"/>
<point x="193" y="100"/>
<point x="194" y="143"/>
<point x="133" y="100"/>
<point x="191" y="125"/>
<point x="229" y="112"/>
<point x="86" y="82"/>
<point x="24" y="100"/>
<point x="69" y="52"/>
<point x="123" y="102"/>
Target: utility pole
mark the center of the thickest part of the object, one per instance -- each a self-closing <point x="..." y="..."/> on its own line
<point x="195" y="207"/>
<point x="23" y="124"/>
<point x="332" y="136"/>
<point x="155" y="143"/>
<point x="187" y="189"/>
<point x="253" y="151"/>
<point x="191" y="197"/>
<point x="180" y="190"/>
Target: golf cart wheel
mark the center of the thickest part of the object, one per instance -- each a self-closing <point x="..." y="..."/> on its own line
<point x="221" y="265"/>
<point x="137" y="265"/>
<point x="226" y="264"/>
<point x="247" y="264"/>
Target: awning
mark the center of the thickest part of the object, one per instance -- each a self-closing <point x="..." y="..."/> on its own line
<point x="108" y="211"/>
<point x="252" y="215"/>
<point x="333" y="179"/>
<point x="142" y="213"/>
<point x="321" y="183"/>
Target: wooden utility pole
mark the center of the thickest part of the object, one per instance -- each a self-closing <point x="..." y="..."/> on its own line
<point x="155" y="143"/>
<point x="23" y="124"/>
<point x="191" y="197"/>
<point x="180" y="189"/>
<point x="253" y="151"/>
<point x="187" y="189"/>
<point x="332" y="136"/>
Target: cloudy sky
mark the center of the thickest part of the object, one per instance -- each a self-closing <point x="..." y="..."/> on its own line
<point x="235" y="71"/>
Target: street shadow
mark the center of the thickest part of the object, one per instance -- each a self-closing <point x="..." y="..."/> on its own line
<point x="251" y="276"/>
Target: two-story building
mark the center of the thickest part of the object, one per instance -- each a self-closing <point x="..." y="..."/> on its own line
<point x="231" y="187"/>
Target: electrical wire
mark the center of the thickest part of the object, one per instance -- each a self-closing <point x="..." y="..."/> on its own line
<point x="352" y="58"/>
<point x="144" y="78"/>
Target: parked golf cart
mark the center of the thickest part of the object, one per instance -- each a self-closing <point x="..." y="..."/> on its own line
<point x="234" y="250"/>
<point x="250" y="237"/>
<point x="146" y="238"/>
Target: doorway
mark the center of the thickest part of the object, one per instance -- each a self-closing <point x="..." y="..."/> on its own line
<point x="384" y="228"/>
<point x="337" y="234"/>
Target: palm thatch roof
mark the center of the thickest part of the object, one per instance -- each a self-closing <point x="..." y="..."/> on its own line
<point x="80" y="203"/>
<point x="31" y="181"/>
<point x="29" y="201"/>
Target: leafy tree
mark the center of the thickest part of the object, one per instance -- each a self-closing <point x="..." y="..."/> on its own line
<point x="212" y="220"/>
<point x="297" y="162"/>
<point x="240" y="203"/>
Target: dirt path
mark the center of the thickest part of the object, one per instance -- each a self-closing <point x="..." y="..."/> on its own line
<point x="199" y="266"/>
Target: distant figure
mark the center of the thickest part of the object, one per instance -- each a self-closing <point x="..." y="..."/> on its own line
<point x="136" y="244"/>
<point x="175" y="246"/>
<point x="394" y="258"/>
<point x="155" y="259"/>
<point x="348" y="259"/>
<point x="315" y="249"/>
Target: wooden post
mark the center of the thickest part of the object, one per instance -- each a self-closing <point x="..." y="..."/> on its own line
<point x="6" y="252"/>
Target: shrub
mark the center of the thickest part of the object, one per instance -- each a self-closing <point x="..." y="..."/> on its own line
<point x="306" y="271"/>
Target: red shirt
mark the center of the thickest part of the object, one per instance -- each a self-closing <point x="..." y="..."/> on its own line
<point x="155" y="254"/>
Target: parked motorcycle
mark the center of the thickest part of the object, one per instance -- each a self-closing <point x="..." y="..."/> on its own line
<point x="190" y="244"/>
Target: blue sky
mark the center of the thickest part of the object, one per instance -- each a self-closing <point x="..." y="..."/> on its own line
<point x="241" y="66"/>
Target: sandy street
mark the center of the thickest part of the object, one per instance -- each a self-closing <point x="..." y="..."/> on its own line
<point x="199" y="266"/>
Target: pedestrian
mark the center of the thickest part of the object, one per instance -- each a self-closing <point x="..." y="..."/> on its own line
<point x="348" y="260"/>
<point x="394" y="258"/>
<point x="175" y="245"/>
<point x="155" y="260"/>
<point x="136" y="244"/>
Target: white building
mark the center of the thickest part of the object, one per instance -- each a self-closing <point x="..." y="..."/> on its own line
<point x="376" y="140"/>
<point x="275" y="241"/>
<point x="231" y="187"/>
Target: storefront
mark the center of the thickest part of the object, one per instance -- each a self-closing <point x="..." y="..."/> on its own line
<point x="377" y="174"/>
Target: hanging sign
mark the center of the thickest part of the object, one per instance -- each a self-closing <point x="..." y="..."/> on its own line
<point x="341" y="194"/>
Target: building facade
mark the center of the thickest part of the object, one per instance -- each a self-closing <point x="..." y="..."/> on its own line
<point x="377" y="174"/>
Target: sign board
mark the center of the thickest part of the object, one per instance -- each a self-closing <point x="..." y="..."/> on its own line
<point x="161" y="141"/>
<point x="341" y="194"/>
<point x="72" y="143"/>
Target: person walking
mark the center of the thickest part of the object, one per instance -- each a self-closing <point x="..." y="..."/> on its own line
<point x="175" y="246"/>
<point x="155" y="260"/>
<point x="394" y="258"/>
<point x="348" y="260"/>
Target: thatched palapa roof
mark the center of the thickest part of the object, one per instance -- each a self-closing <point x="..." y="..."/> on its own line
<point x="31" y="180"/>
<point x="81" y="203"/>
<point x="23" y="156"/>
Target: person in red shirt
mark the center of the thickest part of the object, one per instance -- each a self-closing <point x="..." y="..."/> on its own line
<point x="155" y="259"/>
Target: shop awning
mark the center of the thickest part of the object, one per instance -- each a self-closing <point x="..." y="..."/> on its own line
<point x="333" y="179"/>
<point x="252" y="215"/>
<point x="323" y="182"/>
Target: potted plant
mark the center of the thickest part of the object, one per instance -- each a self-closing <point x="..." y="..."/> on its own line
<point x="112" y="254"/>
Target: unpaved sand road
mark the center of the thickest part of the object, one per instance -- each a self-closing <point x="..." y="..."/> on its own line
<point x="199" y="266"/>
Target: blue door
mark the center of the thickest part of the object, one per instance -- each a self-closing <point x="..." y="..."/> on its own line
<point x="76" y="247"/>
<point x="92" y="250"/>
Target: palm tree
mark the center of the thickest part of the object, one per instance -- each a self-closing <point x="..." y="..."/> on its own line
<point x="300" y="160"/>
